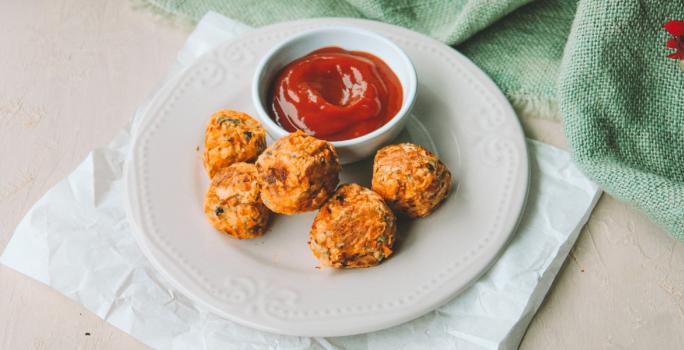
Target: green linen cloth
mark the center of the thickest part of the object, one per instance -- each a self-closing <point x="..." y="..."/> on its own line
<point x="602" y="61"/>
<point x="622" y="103"/>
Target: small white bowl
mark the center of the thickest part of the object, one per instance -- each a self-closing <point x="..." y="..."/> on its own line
<point x="348" y="38"/>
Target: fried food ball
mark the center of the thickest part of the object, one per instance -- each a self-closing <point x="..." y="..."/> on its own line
<point x="232" y="202"/>
<point x="355" y="228"/>
<point x="232" y="137"/>
<point x="411" y="179"/>
<point x="297" y="173"/>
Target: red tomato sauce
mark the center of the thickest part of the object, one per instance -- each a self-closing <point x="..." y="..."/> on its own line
<point x="335" y="94"/>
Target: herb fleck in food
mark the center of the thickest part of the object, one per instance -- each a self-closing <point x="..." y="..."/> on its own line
<point x="430" y="167"/>
<point x="233" y="121"/>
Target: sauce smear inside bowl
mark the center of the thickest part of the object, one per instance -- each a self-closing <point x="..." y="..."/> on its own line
<point x="335" y="94"/>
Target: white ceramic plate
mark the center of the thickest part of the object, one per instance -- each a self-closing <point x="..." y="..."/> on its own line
<point x="271" y="283"/>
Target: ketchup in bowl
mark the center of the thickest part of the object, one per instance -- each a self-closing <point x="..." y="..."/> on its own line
<point x="335" y="94"/>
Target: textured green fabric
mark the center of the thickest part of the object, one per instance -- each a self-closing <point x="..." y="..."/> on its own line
<point x="523" y="51"/>
<point x="449" y="21"/>
<point x="621" y="100"/>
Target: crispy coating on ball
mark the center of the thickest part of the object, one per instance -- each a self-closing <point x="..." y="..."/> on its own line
<point x="355" y="228"/>
<point x="297" y="173"/>
<point x="232" y="203"/>
<point x="232" y="137"/>
<point x="411" y="179"/>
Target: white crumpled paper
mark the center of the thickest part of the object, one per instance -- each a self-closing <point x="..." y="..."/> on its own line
<point x="76" y="239"/>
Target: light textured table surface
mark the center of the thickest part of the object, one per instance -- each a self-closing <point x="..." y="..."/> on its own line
<point x="72" y="74"/>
